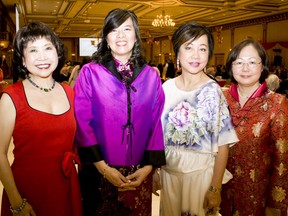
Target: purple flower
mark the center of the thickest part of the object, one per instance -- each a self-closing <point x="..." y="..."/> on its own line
<point x="179" y="117"/>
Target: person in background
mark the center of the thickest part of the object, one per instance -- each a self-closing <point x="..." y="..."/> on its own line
<point x="283" y="85"/>
<point x="165" y="67"/>
<point x="5" y="68"/>
<point x="85" y="60"/>
<point x="273" y="82"/>
<point x="170" y="72"/>
<point x="160" y="68"/>
<point x="260" y="117"/>
<point x="65" y="72"/>
<point x="211" y="73"/>
<point x="38" y="113"/>
<point x="197" y="130"/>
<point x="118" y="103"/>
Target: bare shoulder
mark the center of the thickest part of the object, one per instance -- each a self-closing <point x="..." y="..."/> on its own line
<point x="6" y="102"/>
<point x="7" y="109"/>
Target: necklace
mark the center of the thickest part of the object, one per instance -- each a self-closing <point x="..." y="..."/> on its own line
<point x="246" y="97"/>
<point x="41" y="88"/>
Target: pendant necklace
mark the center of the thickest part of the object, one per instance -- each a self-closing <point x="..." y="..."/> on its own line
<point x="41" y="88"/>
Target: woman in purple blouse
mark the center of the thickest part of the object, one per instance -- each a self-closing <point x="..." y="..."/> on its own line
<point x="119" y="101"/>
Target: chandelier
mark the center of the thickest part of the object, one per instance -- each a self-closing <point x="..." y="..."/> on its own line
<point x="219" y="38"/>
<point x="163" y="21"/>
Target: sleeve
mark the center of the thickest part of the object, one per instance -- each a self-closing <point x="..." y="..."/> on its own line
<point x="156" y="157"/>
<point x="278" y="195"/>
<point x="227" y="133"/>
<point x="85" y="138"/>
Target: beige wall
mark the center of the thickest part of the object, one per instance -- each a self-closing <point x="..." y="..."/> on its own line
<point x="277" y="31"/>
<point x="159" y="51"/>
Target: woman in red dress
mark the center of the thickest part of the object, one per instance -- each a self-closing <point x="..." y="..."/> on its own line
<point x="259" y="162"/>
<point x="39" y="114"/>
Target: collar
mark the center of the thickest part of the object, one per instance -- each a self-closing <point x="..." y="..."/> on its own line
<point x="110" y="65"/>
<point x="260" y="91"/>
<point x="120" y="66"/>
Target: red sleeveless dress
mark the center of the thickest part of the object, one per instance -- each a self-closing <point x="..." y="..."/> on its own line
<point x="44" y="159"/>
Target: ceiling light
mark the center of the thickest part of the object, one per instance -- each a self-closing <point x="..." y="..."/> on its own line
<point x="163" y="21"/>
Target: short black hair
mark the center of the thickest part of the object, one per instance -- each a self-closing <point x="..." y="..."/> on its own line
<point x="32" y="32"/>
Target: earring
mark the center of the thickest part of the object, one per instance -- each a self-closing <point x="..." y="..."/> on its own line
<point x="24" y="65"/>
<point x="204" y="69"/>
<point x="178" y="63"/>
<point x="108" y="46"/>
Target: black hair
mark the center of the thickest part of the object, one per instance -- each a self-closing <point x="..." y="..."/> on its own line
<point x="113" y="20"/>
<point x="32" y="32"/>
<point x="234" y="54"/>
<point x="192" y="31"/>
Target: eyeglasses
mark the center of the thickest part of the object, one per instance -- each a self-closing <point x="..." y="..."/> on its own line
<point x="251" y="63"/>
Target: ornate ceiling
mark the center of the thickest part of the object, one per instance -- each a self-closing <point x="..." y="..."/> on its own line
<point x="77" y="18"/>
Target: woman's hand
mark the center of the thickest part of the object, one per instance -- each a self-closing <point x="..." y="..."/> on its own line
<point x="115" y="177"/>
<point x="212" y="202"/>
<point x="26" y="211"/>
<point x="136" y="178"/>
<point x="111" y="174"/>
<point x="156" y="184"/>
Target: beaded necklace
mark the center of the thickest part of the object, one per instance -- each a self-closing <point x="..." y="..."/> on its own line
<point x="41" y="88"/>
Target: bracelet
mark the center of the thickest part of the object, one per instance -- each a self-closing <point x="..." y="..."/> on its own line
<point x="214" y="189"/>
<point x="104" y="170"/>
<point x="17" y="210"/>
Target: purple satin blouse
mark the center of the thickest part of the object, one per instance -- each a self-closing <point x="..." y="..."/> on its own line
<point x="101" y="112"/>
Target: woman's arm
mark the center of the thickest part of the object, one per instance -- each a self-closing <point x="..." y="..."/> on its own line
<point x="7" y="116"/>
<point x="220" y="166"/>
<point x="213" y="195"/>
<point x="7" y="123"/>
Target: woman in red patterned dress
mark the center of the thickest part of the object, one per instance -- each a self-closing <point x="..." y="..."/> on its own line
<point x="39" y="114"/>
<point x="259" y="162"/>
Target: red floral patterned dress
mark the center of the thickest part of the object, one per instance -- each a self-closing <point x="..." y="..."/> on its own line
<point x="259" y="162"/>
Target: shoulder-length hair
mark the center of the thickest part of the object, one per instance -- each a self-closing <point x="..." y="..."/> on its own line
<point x="192" y="31"/>
<point x="32" y="32"/>
<point x="113" y="20"/>
<point x="234" y="54"/>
